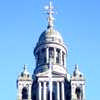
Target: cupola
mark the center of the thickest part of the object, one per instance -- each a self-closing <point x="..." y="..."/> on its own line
<point x="50" y="45"/>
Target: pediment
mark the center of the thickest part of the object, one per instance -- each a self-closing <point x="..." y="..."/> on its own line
<point x="47" y="73"/>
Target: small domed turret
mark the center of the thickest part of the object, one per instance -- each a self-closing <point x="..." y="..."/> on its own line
<point x="24" y="74"/>
<point x="77" y="85"/>
<point x="24" y="84"/>
<point x="77" y="75"/>
<point x="76" y="71"/>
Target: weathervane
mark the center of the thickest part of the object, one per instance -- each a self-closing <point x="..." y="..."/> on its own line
<point x="50" y="12"/>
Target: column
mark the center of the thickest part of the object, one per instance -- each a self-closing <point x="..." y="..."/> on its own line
<point x="58" y="91"/>
<point x="61" y="57"/>
<point x="55" y="54"/>
<point x="29" y="93"/>
<point x="44" y="91"/>
<point x="19" y="95"/>
<point x="65" y="60"/>
<point x="63" y="91"/>
<point x="51" y="89"/>
<point x="83" y="89"/>
<point x="40" y="91"/>
<point x="47" y="55"/>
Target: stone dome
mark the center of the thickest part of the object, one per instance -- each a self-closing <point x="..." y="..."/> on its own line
<point x="25" y="73"/>
<point x="50" y="35"/>
<point x="77" y="72"/>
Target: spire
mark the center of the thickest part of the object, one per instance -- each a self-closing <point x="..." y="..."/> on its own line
<point x="50" y="12"/>
<point x="76" y="67"/>
<point x="77" y="71"/>
<point x="25" y="70"/>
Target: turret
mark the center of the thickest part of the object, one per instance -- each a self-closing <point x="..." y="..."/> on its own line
<point x="24" y="85"/>
<point x="77" y="85"/>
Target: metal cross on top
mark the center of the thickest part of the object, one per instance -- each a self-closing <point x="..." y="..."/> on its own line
<point x="50" y="12"/>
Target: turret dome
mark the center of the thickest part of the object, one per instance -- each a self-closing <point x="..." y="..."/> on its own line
<point x="77" y="74"/>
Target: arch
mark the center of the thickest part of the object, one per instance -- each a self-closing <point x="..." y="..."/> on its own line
<point x="79" y="92"/>
<point x="24" y="93"/>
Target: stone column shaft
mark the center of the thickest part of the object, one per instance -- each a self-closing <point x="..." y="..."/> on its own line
<point x="47" y="55"/>
<point x="61" y="57"/>
<point x="40" y="91"/>
<point x="63" y="91"/>
<point x="19" y="95"/>
<point x="29" y="93"/>
<point x="55" y="54"/>
<point x="65" y="60"/>
<point x="44" y="91"/>
<point x="58" y="91"/>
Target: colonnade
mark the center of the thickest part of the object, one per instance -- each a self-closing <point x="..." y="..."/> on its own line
<point x="43" y="87"/>
<point x="55" y="55"/>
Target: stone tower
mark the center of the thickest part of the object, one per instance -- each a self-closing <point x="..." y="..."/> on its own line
<point x="77" y="85"/>
<point x="50" y="79"/>
<point x="24" y="85"/>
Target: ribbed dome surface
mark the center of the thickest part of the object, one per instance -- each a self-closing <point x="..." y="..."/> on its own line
<point x="50" y="35"/>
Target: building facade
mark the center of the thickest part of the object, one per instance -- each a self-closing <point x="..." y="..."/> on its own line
<point x="50" y="79"/>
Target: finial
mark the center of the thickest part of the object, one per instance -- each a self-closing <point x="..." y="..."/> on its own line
<point x="77" y="71"/>
<point x="25" y="69"/>
<point x="50" y="12"/>
<point x="76" y="66"/>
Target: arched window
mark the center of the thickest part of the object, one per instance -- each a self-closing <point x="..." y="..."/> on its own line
<point x="24" y="93"/>
<point x="79" y="92"/>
